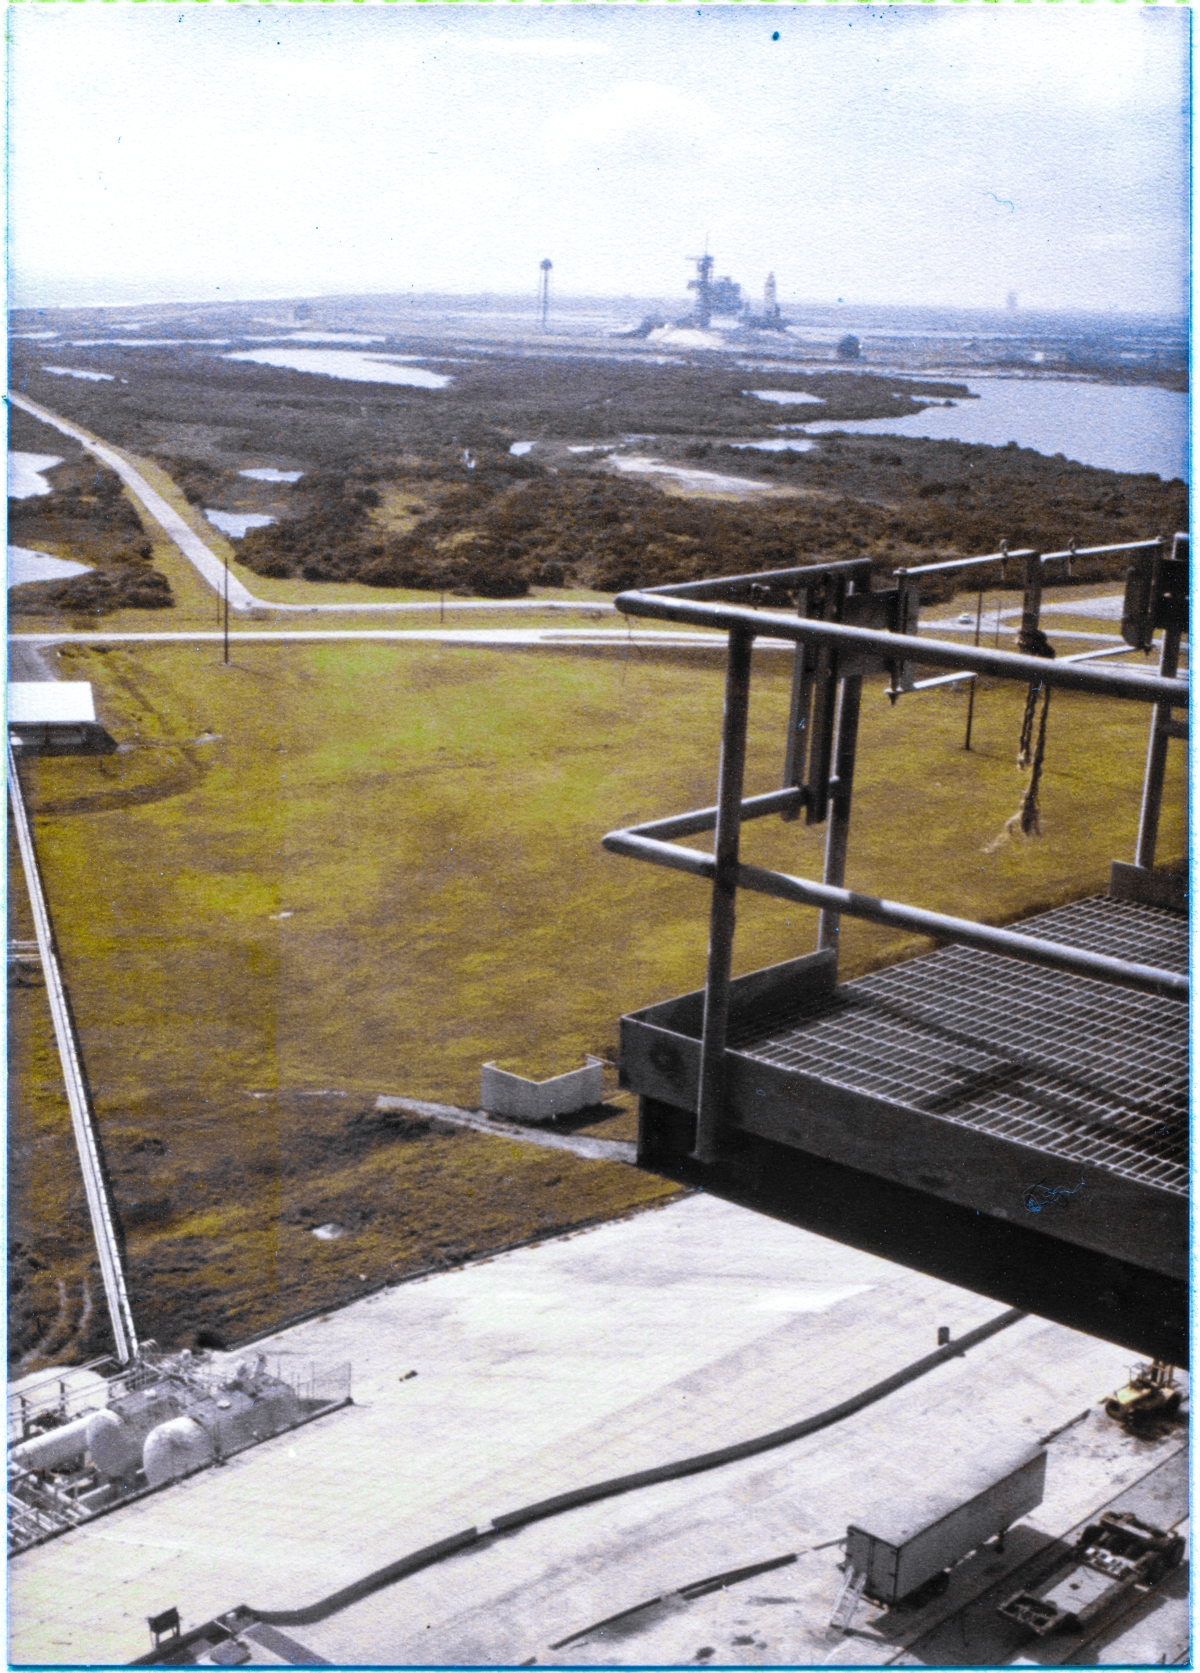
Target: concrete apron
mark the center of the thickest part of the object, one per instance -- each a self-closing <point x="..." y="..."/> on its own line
<point x="608" y="1350"/>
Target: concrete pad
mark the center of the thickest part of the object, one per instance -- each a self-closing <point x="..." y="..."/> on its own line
<point x="637" y="1342"/>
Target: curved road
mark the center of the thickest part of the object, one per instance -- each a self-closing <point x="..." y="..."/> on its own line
<point x="212" y="568"/>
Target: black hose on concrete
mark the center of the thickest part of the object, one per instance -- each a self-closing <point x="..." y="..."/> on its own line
<point x="513" y="1519"/>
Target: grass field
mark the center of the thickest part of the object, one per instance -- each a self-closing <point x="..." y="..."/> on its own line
<point x="356" y="869"/>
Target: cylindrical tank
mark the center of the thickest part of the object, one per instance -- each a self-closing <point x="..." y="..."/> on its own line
<point x="174" y="1449"/>
<point x="54" y="1448"/>
<point x="115" y="1441"/>
<point x="116" y="1447"/>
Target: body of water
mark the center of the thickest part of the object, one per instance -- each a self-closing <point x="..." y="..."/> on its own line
<point x="1115" y="427"/>
<point x="145" y="343"/>
<point x="322" y="337"/>
<point x="785" y="397"/>
<point x="25" y="477"/>
<point x="780" y="444"/>
<point x="25" y="565"/>
<point x="344" y="363"/>
<point x="235" y="523"/>
<point x="267" y="474"/>
<point x="77" y="372"/>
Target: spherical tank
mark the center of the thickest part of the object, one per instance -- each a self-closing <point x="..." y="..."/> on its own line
<point x="175" y="1448"/>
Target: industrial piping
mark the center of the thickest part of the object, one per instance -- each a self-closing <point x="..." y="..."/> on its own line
<point x="83" y="1120"/>
<point x="511" y="1520"/>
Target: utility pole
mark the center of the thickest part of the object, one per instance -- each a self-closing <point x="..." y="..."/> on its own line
<point x="544" y="292"/>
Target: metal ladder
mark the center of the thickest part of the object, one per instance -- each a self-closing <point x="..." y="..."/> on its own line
<point x="849" y="1598"/>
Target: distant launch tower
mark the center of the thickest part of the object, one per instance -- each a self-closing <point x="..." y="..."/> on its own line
<point x="703" y="286"/>
<point x="544" y="292"/>
<point x="713" y="296"/>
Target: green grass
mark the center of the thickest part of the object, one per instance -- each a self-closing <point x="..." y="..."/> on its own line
<point x="430" y="819"/>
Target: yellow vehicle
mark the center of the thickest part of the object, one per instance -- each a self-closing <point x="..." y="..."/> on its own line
<point x="1150" y="1392"/>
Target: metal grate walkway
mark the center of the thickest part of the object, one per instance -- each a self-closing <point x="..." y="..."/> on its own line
<point x="1087" y="1072"/>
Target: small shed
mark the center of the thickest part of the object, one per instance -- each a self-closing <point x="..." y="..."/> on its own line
<point x="55" y="717"/>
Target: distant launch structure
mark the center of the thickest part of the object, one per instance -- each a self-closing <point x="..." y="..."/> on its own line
<point x="723" y="296"/>
<point x="544" y="291"/>
<point x="713" y="296"/>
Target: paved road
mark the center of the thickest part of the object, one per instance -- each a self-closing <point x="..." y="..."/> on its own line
<point x="495" y="638"/>
<point x="212" y="568"/>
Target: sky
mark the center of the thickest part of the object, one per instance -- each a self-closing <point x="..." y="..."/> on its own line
<point x="945" y="155"/>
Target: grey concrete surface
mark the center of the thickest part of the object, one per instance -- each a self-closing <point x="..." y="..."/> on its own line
<point x="637" y="1342"/>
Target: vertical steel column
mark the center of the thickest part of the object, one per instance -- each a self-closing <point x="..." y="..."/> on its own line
<point x="1032" y="611"/>
<point x="795" y="757"/>
<point x="837" y="837"/>
<point x="720" y="934"/>
<point x="1156" y="756"/>
<point x="975" y="681"/>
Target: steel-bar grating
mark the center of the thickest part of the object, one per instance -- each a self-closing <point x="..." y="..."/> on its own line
<point x="1086" y="1072"/>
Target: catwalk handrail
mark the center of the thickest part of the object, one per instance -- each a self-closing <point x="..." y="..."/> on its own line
<point x="1131" y="684"/>
<point x="1047" y="557"/>
<point x="647" y="842"/>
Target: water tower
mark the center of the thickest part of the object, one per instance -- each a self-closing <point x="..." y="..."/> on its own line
<point x="544" y="291"/>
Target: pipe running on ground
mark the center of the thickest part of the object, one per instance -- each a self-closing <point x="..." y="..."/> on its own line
<point x="412" y="1562"/>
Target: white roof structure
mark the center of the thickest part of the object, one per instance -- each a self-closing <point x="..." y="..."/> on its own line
<point x="50" y="702"/>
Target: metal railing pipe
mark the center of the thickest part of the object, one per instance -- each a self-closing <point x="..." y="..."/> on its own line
<point x="965" y="674"/>
<point x="1156" y="757"/>
<point x="965" y="563"/>
<point x="1047" y="557"/>
<point x="705" y="818"/>
<point x="1053" y="955"/>
<point x="1127" y="684"/>
<point x="806" y="573"/>
<point x="837" y="835"/>
<point x="730" y="778"/>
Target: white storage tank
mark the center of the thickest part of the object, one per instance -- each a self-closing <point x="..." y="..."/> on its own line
<point x="115" y="1436"/>
<point x="116" y="1447"/>
<point x="54" y="1448"/>
<point x="174" y="1449"/>
<point x="903" y="1542"/>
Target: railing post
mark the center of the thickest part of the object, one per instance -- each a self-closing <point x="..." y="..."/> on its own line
<point x="1156" y="756"/>
<point x="730" y="778"/>
<point x="837" y="837"/>
<point x="795" y="757"/>
<point x="1031" y="613"/>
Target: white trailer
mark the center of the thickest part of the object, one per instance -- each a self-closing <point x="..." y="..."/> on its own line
<point x="903" y="1542"/>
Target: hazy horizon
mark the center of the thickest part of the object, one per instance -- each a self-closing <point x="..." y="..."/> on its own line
<point x="680" y="303"/>
<point x="937" y="157"/>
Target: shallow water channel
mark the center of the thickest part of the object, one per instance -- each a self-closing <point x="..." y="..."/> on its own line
<point x="1116" y="427"/>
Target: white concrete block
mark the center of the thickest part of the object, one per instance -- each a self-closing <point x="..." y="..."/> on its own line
<point x="501" y="1093"/>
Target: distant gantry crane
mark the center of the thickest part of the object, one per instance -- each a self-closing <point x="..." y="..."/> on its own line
<point x="544" y="291"/>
